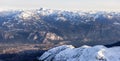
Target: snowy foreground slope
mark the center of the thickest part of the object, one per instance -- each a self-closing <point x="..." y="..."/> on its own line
<point x="84" y="53"/>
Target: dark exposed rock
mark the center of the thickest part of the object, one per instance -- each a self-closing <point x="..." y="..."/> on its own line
<point x="113" y="45"/>
<point x="29" y="55"/>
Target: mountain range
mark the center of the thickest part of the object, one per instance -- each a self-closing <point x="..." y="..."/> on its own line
<point x="58" y="27"/>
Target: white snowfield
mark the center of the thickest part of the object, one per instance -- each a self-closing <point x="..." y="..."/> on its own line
<point x="84" y="53"/>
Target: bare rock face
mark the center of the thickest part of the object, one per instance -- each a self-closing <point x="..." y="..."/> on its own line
<point x="53" y="36"/>
<point x="84" y="53"/>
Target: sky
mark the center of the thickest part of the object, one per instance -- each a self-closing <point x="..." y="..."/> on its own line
<point x="61" y="4"/>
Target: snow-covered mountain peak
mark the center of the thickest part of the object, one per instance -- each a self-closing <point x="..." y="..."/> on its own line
<point x="96" y="53"/>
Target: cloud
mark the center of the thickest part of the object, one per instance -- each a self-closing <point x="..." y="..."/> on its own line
<point x="61" y="4"/>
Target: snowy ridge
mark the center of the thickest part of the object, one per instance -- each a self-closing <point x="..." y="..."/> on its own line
<point x="51" y="53"/>
<point x="84" y="53"/>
